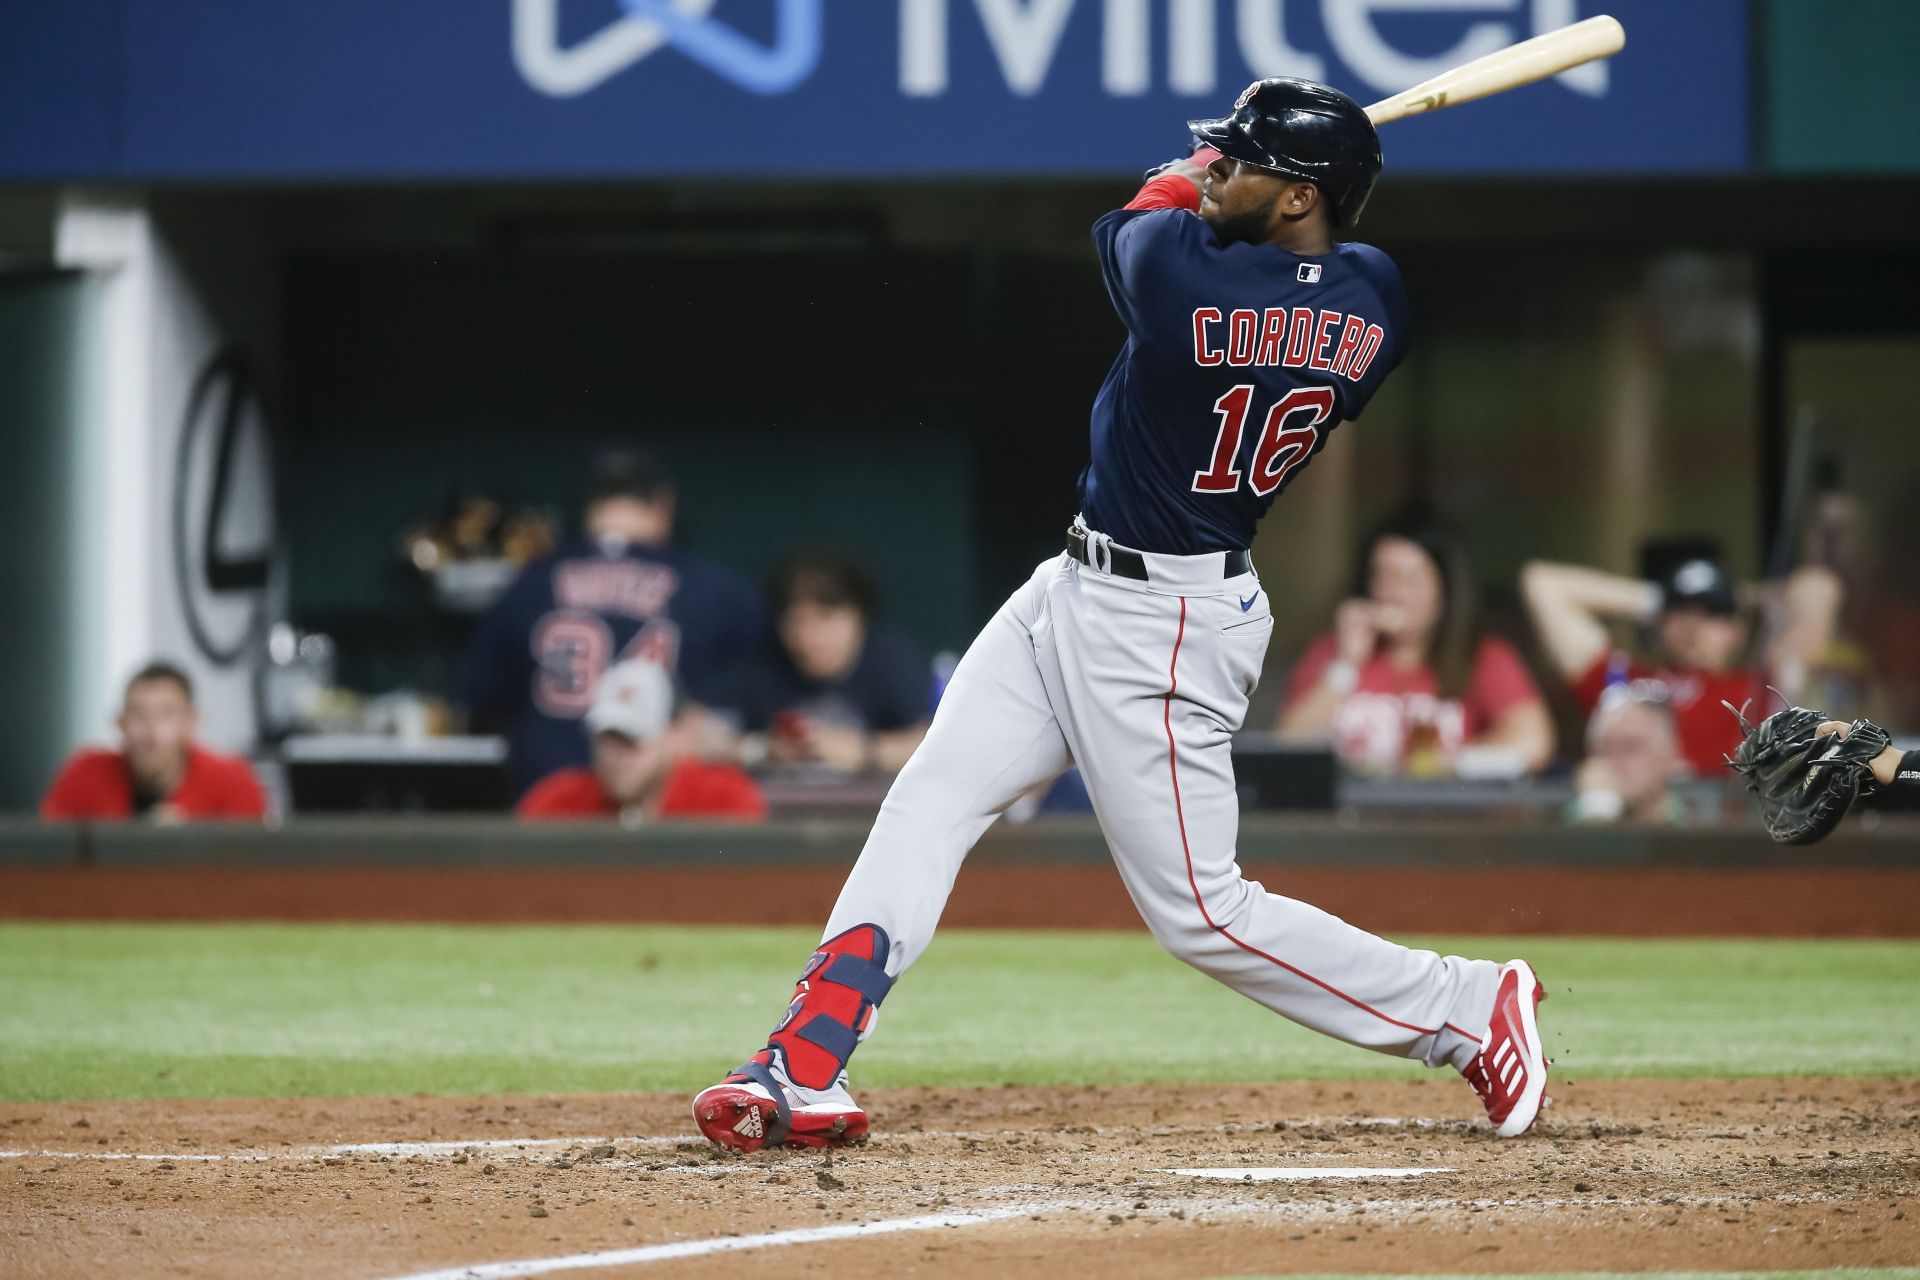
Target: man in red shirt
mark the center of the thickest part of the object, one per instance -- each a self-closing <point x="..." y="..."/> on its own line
<point x="640" y="770"/>
<point x="160" y="773"/>
<point x="1700" y="637"/>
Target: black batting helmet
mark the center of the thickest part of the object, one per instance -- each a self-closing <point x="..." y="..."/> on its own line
<point x="1303" y="130"/>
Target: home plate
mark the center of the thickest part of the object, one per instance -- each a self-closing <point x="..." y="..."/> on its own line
<point x="1299" y="1175"/>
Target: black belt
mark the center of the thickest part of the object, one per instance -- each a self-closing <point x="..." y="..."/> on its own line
<point x="1131" y="564"/>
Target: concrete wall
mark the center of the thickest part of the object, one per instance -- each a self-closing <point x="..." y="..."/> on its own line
<point x="166" y="299"/>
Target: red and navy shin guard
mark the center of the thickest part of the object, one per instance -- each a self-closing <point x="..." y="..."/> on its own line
<point x="833" y="1006"/>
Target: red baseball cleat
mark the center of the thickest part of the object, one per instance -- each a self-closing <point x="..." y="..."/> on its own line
<point x="753" y="1109"/>
<point x="1510" y="1071"/>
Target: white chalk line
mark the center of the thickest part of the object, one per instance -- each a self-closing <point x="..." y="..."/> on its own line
<point x="16" y="1154"/>
<point x="490" y="1146"/>
<point x="644" y="1254"/>
<point x="1229" y="1176"/>
<point x="1298" y="1173"/>
<point x="471" y="1147"/>
<point x="467" y="1146"/>
<point x="723" y="1244"/>
<point x="499" y="1144"/>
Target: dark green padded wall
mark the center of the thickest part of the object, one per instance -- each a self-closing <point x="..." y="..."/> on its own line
<point x="1843" y="92"/>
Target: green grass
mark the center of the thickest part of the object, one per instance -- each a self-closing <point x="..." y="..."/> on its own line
<point x="133" y="1011"/>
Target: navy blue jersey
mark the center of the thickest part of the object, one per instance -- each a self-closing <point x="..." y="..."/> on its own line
<point x="541" y="650"/>
<point x="1240" y="360"/>
<point x="890" y="686"/>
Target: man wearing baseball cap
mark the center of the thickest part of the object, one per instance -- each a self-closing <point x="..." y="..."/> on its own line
<point x="1699" y="641"/>
<point x="640" y="772"/>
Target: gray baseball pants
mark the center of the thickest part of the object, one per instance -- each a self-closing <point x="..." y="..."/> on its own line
<point x="1144" y="684"/>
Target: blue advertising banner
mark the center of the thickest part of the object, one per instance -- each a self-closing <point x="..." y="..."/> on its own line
<point x="239" y="89"/>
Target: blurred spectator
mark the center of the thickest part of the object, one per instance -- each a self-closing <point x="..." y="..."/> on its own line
<point x="160" y="772"/>
<point x="1887" y="618"/>
<point x="831" y="688"/>
<point x="474" y="527"/>
<point x="1407" y="682"/>
<point x="1633" y="756"/>
<point x="1700" y="638"/>
<point x="1838" y="631"/>
<point x="640" y="770"/>
<point x="621" y="593"/>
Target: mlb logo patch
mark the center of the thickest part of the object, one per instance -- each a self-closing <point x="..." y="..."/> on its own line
<point x="1309" y="273"/>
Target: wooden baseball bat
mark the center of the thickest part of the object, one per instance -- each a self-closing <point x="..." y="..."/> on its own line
<point x="1508" y="68"/>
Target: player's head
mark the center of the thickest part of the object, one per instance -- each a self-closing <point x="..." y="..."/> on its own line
<point x="1700" y="623"/>
<point x="1292" y="151"/>
<point x="158" y="723"/>
<point x="1632" y="734"/>
<point x="629" y="722"/>
<point x="821" y="606"/>
<point x="1413" y="568"/>
<point x="630" y="500"/>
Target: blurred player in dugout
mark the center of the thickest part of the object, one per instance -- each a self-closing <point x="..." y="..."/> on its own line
<point x="160" y="772"/>
<point x="830" y="688"/>
<point x="620" y="592"/>
<point x="1407" y="682"/>
<point x="642" y="770"/>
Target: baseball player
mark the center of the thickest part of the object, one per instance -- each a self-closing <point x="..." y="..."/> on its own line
<point x="1251" y="335"/>
<point x="622" y="592"/>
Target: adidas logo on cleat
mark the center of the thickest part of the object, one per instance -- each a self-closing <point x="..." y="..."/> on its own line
<point x="749" y="1125"/>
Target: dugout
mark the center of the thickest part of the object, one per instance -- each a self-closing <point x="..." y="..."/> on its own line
<point x="889" y="354"/>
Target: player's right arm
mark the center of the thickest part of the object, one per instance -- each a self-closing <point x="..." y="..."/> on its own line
<point x="1175" y="184"/>
<point x="1571" y="605"/>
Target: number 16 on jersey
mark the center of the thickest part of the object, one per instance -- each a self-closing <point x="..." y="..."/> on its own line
<point x="1288" y="437"/>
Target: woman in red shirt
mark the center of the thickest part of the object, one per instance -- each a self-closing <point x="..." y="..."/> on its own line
<point x="1406" y="681"/>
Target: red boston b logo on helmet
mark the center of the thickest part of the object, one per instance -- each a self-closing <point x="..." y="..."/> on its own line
<point x="1246" y="95"/>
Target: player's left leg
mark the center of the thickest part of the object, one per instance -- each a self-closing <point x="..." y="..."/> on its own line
<point x="1151" y="687"/>
<point x="993" y="737"/>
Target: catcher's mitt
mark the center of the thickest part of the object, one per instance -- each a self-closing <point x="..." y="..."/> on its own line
<point x="1806" y="782"/>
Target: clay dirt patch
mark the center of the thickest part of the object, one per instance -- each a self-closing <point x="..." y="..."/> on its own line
<point x="1620" y="1176"/>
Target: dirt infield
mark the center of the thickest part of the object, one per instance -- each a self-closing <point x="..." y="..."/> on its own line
<point x="1620" y="1176"/>
<point x="1548" y="900"/>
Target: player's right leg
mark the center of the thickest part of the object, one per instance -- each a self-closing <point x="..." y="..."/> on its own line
<point x="1151" y="687"/>
<point x="993" y="738"/>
